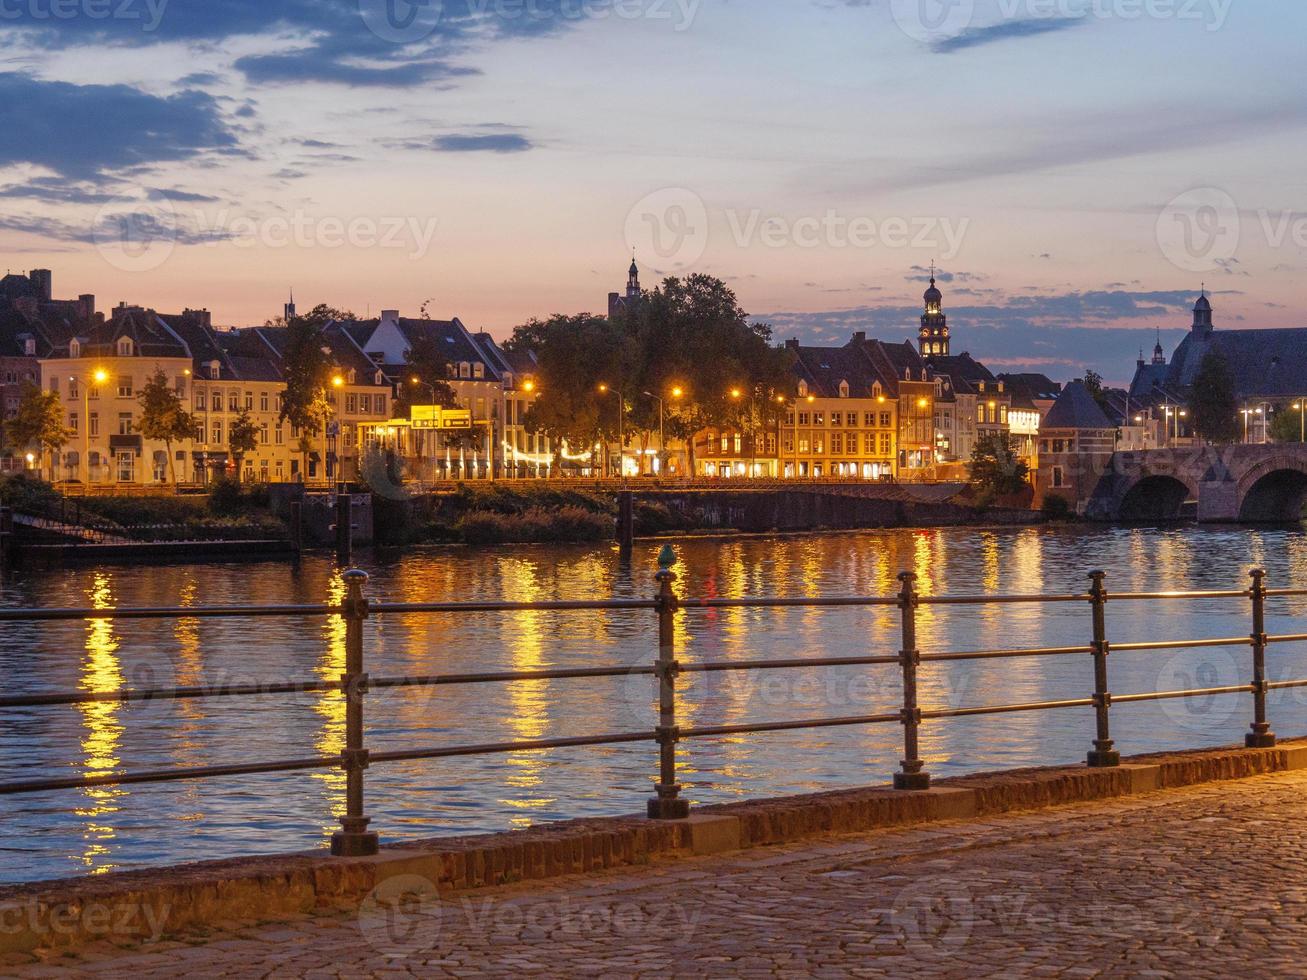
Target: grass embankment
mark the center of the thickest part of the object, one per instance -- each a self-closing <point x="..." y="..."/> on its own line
<point x="228" y="513"/>
<point x="499" y="515"/>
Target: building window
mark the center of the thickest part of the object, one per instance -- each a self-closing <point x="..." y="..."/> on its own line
<point x="249" y="401"/>
<point x="217" y="433"/>
<point x="263" y="433"/>
<point x="379" y="404"/>
<point x="886" y="446"/>
<point x="885" y="420"/>
<point x="478" y="370"/>
<point x="233" y="401"/>
<point x="351" y="404"/>
<point x="179" y="386"/>
<point x="93" y="423"/>
<point x="837" y="444"/>
<point x="1057" y="477"/>
<point x="279" y="434"/>
<point x="215" y="401"/>
<point x="805" y="418"/>
<point x="54" y="385"/>
<point x="818" y="418"/>
<point x="124" y="346"/>
<point x="837" y="419"/>
<point x="199" y="401"/>
<point x="124" y="423"/>
<point x="263" y="401"/>
<point x="73" y="422"/>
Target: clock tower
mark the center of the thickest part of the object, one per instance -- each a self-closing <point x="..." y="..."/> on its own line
<point x="934" y="324"/>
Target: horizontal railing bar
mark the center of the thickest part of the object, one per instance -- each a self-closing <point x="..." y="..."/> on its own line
<point x="1235" y="641"/>
<point x="1133" y="596"/>
<point x="167" y="775"/>
<point x="560" y="605"/>
<point x="1005" y="654"/>
<point x="722" y="665"/>
<point x="784" y="726"/>
<point x="1285" y="685"/>
<point x="994" y="600"/>
<point x="1001" y="709"/>
<point x="1280" y="593"/>
<point x="780" y="602"/>
<point x="167" y="694"/>
<point x="1172" y="695"/>
<point x="1288" y="638"/>
<point x="165" y="612"/>
<point x="509" y="676"/>
<point x="494" y="748"/>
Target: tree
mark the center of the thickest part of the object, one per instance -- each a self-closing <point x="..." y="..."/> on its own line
<point x="242" y="437"/>
<point x="1287" y="426"/>
<point x="1094" y="385"/>
<point x="1213" y="403"/>
<point x="39" y="423"/>
<point x="164" y="417"/>
<point x="996" y="469"/>
<point x="308" y="367"/>
<point x="425" y="371"/>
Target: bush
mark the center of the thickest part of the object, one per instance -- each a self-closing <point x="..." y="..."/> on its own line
<point x="27" y="493"/>
<point x="534" y="525"/>
<point x="1056" y="508"/>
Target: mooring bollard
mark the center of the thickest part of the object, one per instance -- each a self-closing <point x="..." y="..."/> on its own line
<point x="912" y="776"/>
<point x="344" y="529"/>
<point x="354" y="839"/>
<point x="667" y="805"/>
<point x="1261" y="737"/>
<point x="1104" y="755"/>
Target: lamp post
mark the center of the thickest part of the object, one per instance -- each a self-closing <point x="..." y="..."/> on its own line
<point x="604" y="389"/>
<point x="1301" y="408"/>
<point x="99" y="376"/>
<point x="677" y="392"/>
<point x="338" y="383"/>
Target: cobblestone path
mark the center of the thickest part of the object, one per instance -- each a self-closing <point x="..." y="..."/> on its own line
<point x="1207" y="881"/>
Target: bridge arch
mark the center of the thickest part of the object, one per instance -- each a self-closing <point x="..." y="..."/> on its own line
<point x="1155" y="497"/>
<point x="1274" y="491"/>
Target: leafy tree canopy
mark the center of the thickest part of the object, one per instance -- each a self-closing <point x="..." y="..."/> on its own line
<point x="1213" y="402"/>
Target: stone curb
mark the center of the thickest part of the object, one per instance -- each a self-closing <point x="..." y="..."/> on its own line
<point x="135" y="906"/>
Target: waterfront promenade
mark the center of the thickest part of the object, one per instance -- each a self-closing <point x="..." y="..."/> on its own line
<point x="1208" y="880"/>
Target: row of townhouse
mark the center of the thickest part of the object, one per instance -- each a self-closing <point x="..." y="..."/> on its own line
<point x="872" y="410"/>
<point x="98" y="366"/>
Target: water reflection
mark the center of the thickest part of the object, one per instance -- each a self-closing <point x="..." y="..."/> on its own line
<point x="106" y="828"/>
<point x="103" y="731"/>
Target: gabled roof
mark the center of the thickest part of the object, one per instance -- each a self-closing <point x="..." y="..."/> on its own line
<point x="1075" y="408"/>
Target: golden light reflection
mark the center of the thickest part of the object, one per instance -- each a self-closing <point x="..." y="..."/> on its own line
<point x="331" y="704"/>
<point x="523" y="635"/>
<point x="189" y="673"/>
<point x="101" y="671"/>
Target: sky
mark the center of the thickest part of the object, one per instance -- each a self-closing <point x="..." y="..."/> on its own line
<point x="1075" y="169"/>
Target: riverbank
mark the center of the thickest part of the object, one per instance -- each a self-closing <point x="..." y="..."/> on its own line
<point x="129" y="908"/>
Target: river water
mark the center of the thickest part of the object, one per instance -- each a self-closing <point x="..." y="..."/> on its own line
<point x="91" y="831"/>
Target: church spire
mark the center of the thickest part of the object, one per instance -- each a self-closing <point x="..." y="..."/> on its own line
<point x="633" y="279"/>
<point x="289" y="310"/>
<point x="934" y="337"/>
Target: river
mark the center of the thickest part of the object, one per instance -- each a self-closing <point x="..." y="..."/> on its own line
<point x="91" y="831"/>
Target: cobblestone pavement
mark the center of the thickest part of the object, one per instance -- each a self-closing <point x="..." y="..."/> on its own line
<point x="1206" y="881"/>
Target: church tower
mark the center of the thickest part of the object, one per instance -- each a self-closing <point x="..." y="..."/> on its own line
<point x="1203" y="316"/>
<point x="619" y="304"/>
<point x="1159" y="355"/>
<point x="934" y="324"/>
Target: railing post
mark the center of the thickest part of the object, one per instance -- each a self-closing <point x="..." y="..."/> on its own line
<point x="354" y="839"/>
<point x="912" y="777"/>
<point x="1104" y="755"/>
<point x="667" y="805"/>
<point x="1261" y="737"/>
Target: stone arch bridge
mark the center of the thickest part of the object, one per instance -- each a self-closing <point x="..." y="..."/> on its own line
<point x="1226" y="484"/>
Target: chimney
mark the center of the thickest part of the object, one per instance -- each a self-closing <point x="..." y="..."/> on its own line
<point x="792" y="343"/>
<point x="87" y="303"/>
<point x="860" y="337"/>
<point x="389" y="316"/>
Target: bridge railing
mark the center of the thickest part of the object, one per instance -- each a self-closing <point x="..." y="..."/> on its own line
<point x="668" y="803"/>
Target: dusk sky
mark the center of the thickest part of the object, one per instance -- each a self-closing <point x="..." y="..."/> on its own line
<point x="1075" y="168"/>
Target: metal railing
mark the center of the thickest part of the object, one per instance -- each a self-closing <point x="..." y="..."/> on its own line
<point x="355" y="609"/>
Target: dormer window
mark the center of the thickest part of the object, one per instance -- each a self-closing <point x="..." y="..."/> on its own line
<point x="29" y="347"/>
<point x="124" y="346"/>
<point x="215" y="370"/>
<point x="378" y="378"/>
<point x="464" y="369"/>
<point x="803" y="389"/>
<point x="508" y="380"/>
<point x="876" y="390"/>
<point x="844" y="389"/>
<point x="478" y="370"/>
<point x="74" y="348"/>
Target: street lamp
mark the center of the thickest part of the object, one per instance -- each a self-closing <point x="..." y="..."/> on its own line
<point x="1302" y="429"/>
<point x="99" y="376"/>
<point x="621" y="432"/>
<point x="677" y="392"/>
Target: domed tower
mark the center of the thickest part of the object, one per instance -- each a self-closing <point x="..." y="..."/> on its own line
<point x="633" y="281"/>
<point x="1159" y="354"/>
<point x="1203" y="316"/>
<point x="934" y="324"/>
